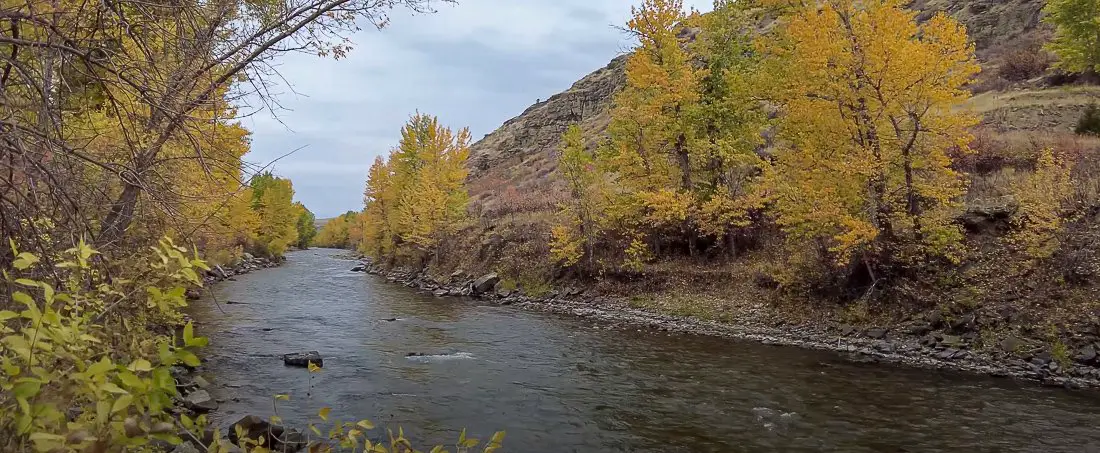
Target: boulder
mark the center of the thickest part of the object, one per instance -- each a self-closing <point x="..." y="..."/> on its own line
<point x="988" y="213"/>
<point x="200" y="401"/>
<point x="439" y="293"/>
<point x="965" y="323"/>
<point x="302" y="359"/>
<point x="484" y="284"/>
<point x="1086" y="354"/>
<point x="359" y="269"/>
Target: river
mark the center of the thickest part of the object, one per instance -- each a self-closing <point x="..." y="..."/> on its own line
<point x="563" y="384"/>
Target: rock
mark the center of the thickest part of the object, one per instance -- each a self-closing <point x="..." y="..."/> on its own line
<point x="1086" y="354"/>
<point x="965" y="323"/>
<point x="302" y="359"/>
<point x="201" y="382"/>
<point x="919" y="330"/>
<point x="254" y="428"/>
<point x="415" y="354"/>
<point x="846" y="330"/>
<point x="484" y="284"/>
<point x="935" y="319"/>
<point x="951" y="340"/>
<point x="988" y="213"/>
<point x="359" y="269"/>
<point x="185" y="447"/>
<point x="1011" y="344"/>
<point x="1043" y="357"/>
<point x="876" y="333"/>
<point x="248" y="256"/>
<point x="389" y="319"/>
<point x="439" y="293"/>
<point x="947" y="354"/>
<point x="200" y="401"/>
<point x="290" y="441"/>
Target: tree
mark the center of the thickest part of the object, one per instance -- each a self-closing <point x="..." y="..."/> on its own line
<point x="650" y="127"/>
<point x="307" y="230"/>
<point x="869" y="123"/>
<point x="574" y="237"/>
<point x="416" y="196"/>
<point x="1076" y="39"/>
<point x="272" y="199"/>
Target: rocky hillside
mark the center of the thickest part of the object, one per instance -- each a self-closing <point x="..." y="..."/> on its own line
<point x="512" y="169"/>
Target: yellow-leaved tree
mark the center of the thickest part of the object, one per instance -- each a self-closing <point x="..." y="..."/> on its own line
<point x="870" y="119"/>
<point x="417" y="196"/>
<point x="574" y="237"/>
<point x="273" y="201"/>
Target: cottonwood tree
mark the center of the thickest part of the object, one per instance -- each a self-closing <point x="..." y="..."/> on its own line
<point x="869" y="124"/>
<point x="1076" y="33"/>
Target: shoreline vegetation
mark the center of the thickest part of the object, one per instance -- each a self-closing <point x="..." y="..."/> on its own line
<point x="927" y="343"/>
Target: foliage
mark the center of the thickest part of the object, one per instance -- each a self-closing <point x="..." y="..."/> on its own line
<point x="272" y="199"/>
<point x="71" y="382"/>
<point x="336" y="233"/>
<point x="416" y="196"/>
<point x="580" y="217"/>
<point x="1089" y="124"/>
<point x="868" y="129"/>
<point x="1076" y="39"/>
<point x="1041" y="197"/>
<point x="307" y="230"/>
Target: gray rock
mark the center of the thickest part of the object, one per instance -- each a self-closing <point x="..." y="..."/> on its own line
<point x="1011" y="344"/>
<point x="951" y="340"/>
<point x="201" y="382"/>
<point x="439" y="293"/>
<point x="359" y="269"/>
<point x="484" y="284"/>
<point x="200" y="401"/>
<point x="302" y="359"/>
<point x="947" y="354"/>
<point x="1086" y="354"/>
<point x="846" y="330"/>
<point x="876" y="333"/>
<point x="965" y="323"/>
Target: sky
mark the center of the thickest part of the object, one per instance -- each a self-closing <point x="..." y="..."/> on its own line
<point x="476" y="64"/>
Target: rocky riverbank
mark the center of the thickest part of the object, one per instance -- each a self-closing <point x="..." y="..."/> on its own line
<point x="929" y="341"/>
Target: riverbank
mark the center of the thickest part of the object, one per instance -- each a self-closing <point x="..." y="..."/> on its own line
<point x="928" y="341"/>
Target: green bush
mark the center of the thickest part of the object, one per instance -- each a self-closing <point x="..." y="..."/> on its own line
<point x="1089" y="124"/>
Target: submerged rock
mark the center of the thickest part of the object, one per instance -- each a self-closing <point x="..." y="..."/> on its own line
<point x="302" y="359"/>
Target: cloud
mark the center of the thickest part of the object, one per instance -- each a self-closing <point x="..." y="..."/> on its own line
<point x="476" y="64"/>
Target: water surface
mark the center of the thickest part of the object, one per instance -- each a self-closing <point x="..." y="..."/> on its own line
<point x="563" y="384"/>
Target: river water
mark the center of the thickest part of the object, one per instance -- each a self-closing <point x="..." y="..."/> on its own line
<point x="563" y="384"/>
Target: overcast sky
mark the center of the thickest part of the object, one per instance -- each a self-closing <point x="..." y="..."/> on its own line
<point x="476" y="64"/>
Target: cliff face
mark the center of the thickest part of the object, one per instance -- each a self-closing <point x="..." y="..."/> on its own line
<point x="513" y="168"/>
<point x="522" y="154"/>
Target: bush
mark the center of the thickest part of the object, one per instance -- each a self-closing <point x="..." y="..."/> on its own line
<point x="1089" y="124"/>
<point x="1024" y="64"/>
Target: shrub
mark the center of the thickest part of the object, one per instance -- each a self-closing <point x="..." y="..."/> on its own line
<point x="74" y="378"/>
<point x="1024" y="64"/>
<point x="1089" y="124"/>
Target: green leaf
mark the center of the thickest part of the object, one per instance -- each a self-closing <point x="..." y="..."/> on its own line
<point x="24" y="260"/>
<point x="282" y="397"/>
<point x="365" y="424"/>
<point x="111" y="387"/>
<point x="8" y="314"/>
<point x="141" y="365"/>
<point x="23" y="298"/>
<point x="470" y="443"/>
<point x="188" y="333"/>
<point x="189" y="359"/>
<point x="314" y="429"/>
<point x="122" y="403"/>
<point x="323" y="413"/>
<point x="26" y="389"/>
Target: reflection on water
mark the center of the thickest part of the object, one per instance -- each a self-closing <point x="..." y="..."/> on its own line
<point x="558" y="384"/>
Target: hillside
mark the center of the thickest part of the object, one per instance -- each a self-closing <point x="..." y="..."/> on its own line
<point x="513" y="168"/>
